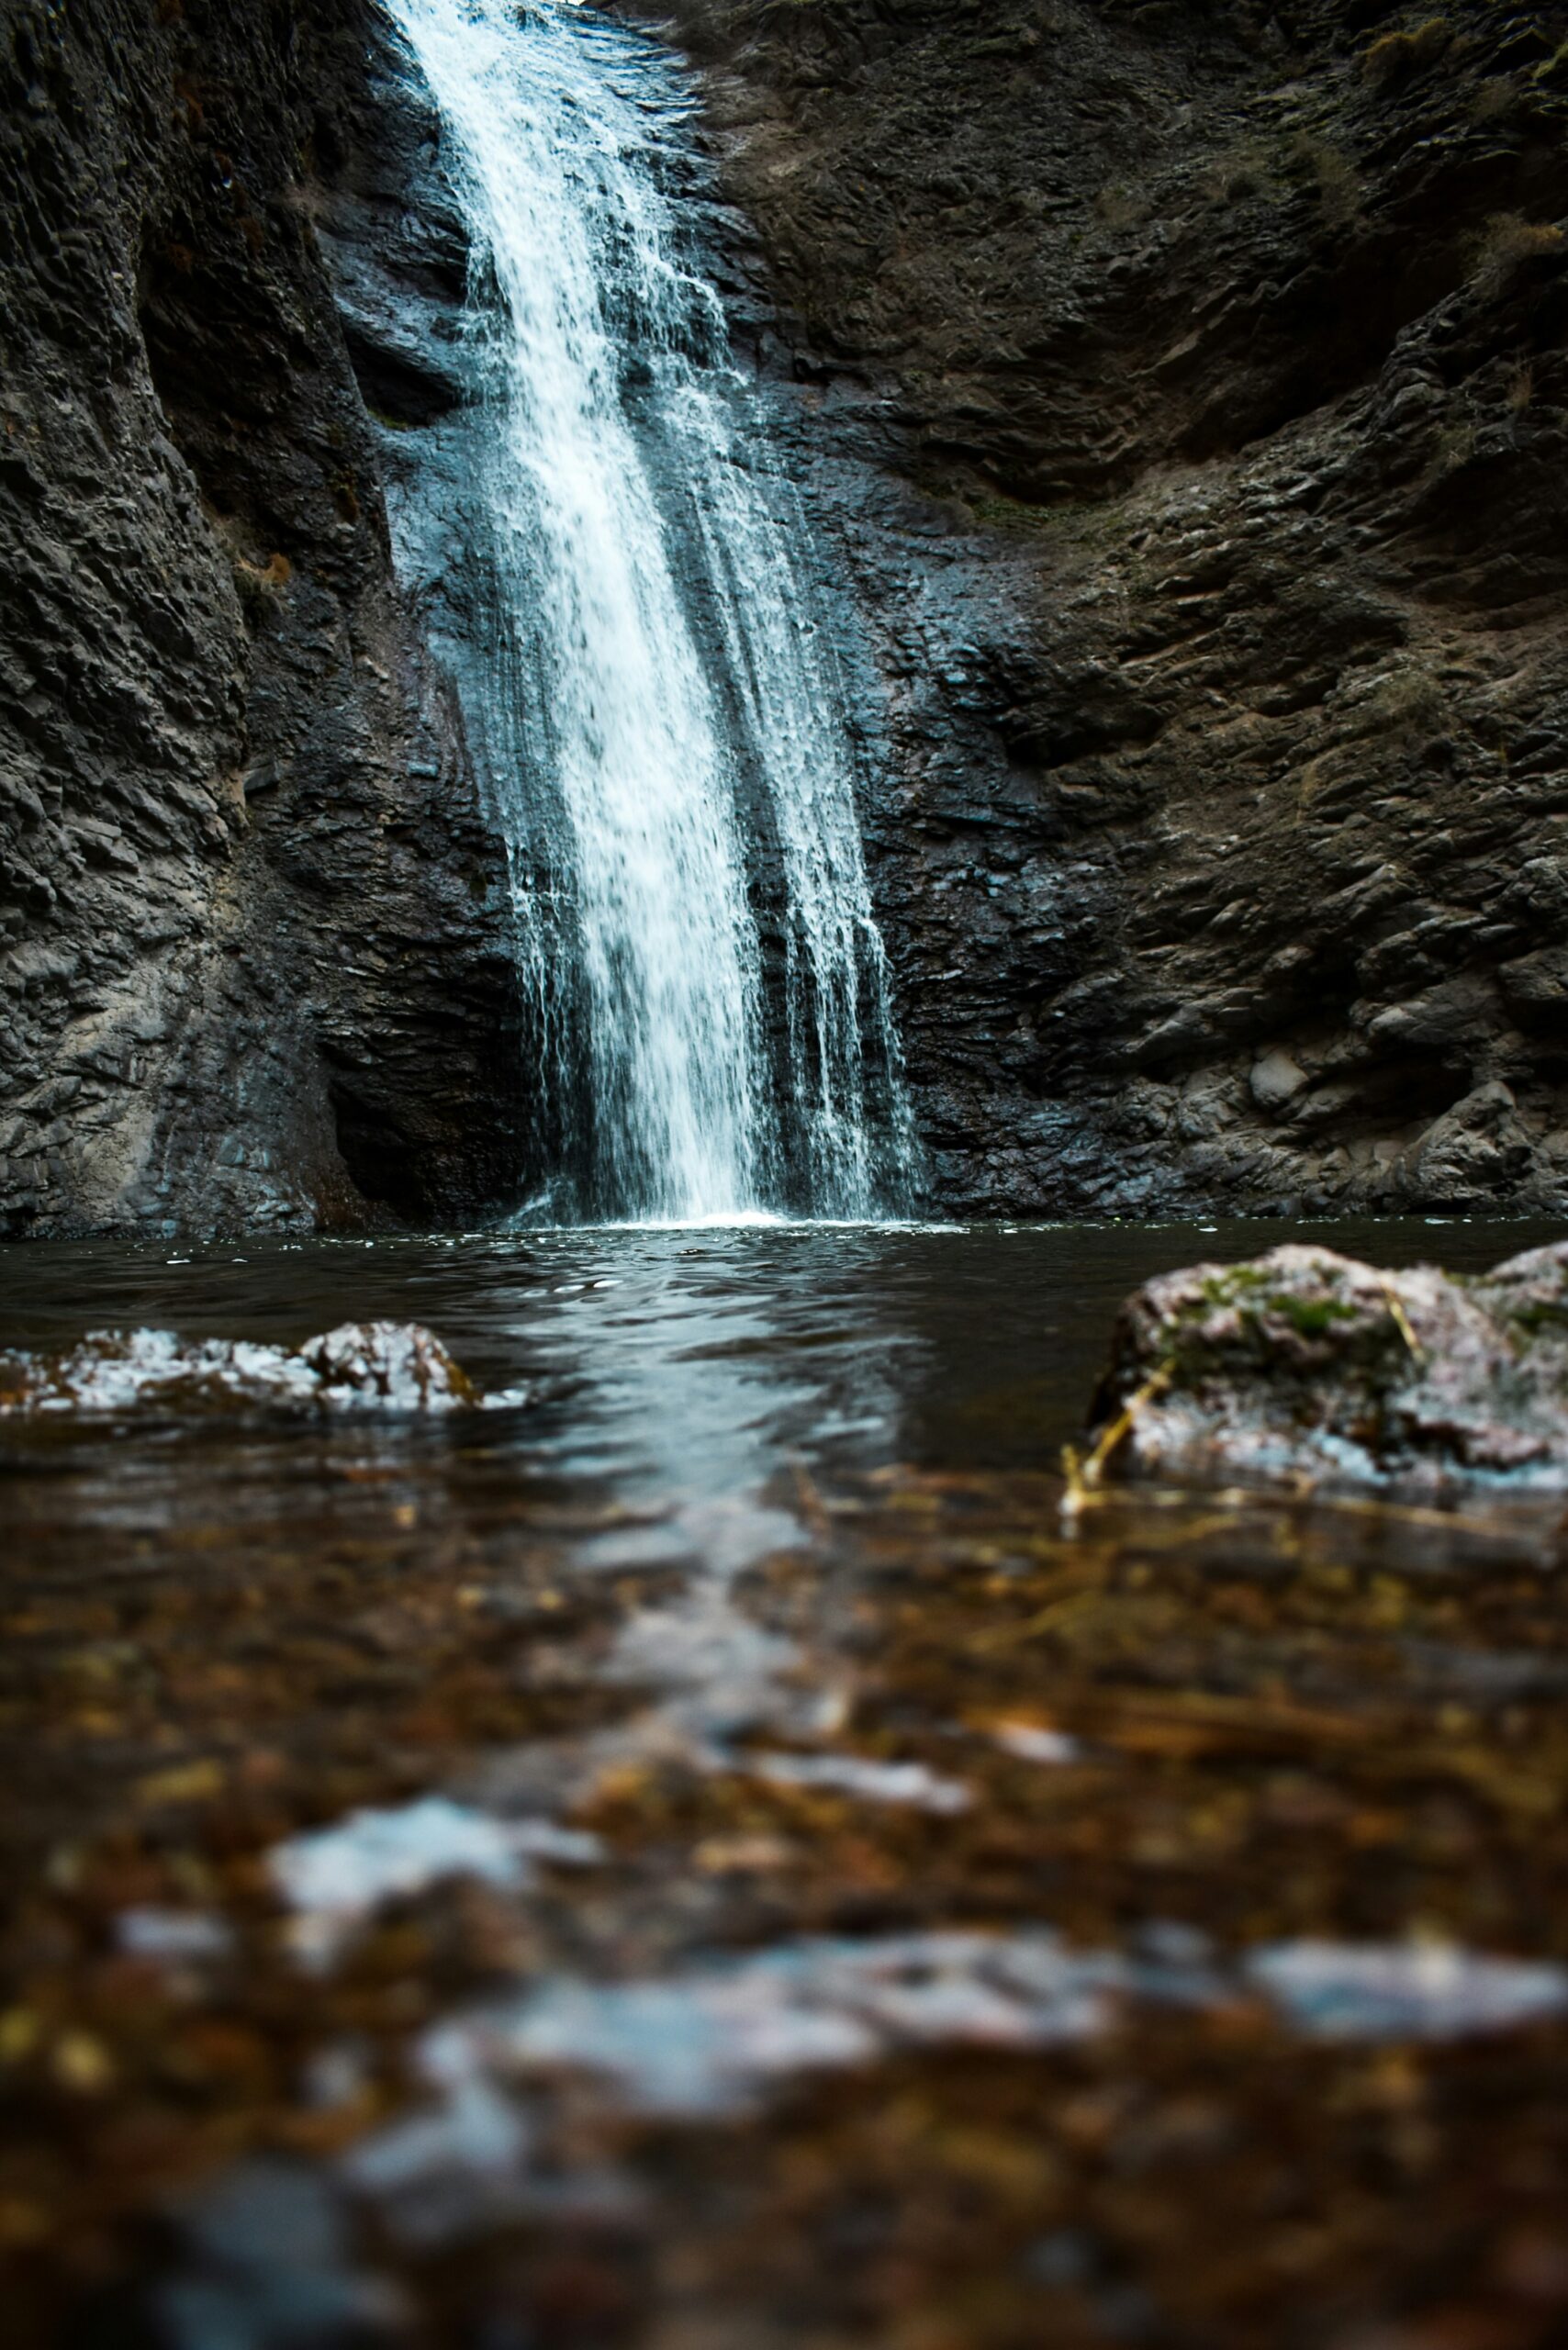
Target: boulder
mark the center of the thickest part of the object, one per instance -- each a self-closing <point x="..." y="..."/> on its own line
<point x="1305" y="1367"/>
<point x="1474" y="1153"/>
<point x="1275" y="1081"/>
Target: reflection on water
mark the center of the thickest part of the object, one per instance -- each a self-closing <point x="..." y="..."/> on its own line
<point x="408" y="1818"/>
<point x="710" y="2038"/>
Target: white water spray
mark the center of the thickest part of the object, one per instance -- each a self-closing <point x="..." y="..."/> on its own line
<point x="677" y="717"/>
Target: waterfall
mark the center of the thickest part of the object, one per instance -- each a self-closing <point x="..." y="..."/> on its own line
<point x="655" y="702"/>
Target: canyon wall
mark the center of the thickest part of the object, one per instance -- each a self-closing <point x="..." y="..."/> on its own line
<point x="254" y="923"/>
<point x="1185" y="388"/>
<point x="1181" y="393"/>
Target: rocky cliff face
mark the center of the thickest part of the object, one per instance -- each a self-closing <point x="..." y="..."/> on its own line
<point x="1183" y="391"/>
<point x="254" y="927"/>
<point x="1186" y="389"/>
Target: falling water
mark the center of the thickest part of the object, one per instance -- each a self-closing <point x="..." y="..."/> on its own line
<point x="671" y="729"/>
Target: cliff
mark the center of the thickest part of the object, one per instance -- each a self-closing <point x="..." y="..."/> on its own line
<point x="1180" y="390"/>
<point x="1185" y="387"/>
<point x="253" y="940"/>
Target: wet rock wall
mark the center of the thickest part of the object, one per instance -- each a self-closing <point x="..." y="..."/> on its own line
<point x="1182" y="394"/>
<point x="253" y="921"/>
<point x="1185" y="391"/>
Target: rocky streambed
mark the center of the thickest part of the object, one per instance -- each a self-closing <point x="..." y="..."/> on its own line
<point x="730" y="1845"/>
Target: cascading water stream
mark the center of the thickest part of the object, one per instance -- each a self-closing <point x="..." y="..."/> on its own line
<point x="664" y="728"/>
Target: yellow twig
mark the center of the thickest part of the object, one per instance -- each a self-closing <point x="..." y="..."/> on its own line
<point x="813" y="1510"/>
<point x="1084" y="1477"/>
<point x="1401" y="1320"/>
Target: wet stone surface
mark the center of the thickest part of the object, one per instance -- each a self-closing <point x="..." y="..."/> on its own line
<point x="718" y="1853"/>
<point x="376" y="1365"/>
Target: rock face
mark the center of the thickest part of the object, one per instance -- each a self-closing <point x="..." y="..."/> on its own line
<point x="253" y="933"/>
<point x="1181" y="391"/>
<point x="1305" y="1367"/>
<point x="1185" y="389"/>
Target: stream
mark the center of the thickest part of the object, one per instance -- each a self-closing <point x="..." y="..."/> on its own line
<point x="712" y="1850"/>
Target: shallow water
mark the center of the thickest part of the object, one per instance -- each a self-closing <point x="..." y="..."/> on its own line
<point x="711" y="1855"/>
<point x="696" y="1357"/>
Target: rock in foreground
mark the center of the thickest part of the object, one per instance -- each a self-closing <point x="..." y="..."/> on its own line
<point x="1303" y="1366"/>
<point x="360" y="1366"/>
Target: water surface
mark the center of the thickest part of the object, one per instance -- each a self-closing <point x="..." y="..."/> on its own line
<point x="676" y="1359"/>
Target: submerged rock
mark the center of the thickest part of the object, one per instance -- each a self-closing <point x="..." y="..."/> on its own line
<point x="1302" y="1366"/>
<point x="713" y="2037"/>
<point x="360" y="1366"/>
<point x="263" y="2261"/>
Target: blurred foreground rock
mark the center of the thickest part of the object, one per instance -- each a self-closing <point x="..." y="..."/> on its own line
<point x="1306" y="1367"/>
<point x="360" y="1366"/>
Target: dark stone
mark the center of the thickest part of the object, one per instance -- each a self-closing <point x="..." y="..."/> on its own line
<point x="1186" y="393"/>
<point x="253" y="933"/>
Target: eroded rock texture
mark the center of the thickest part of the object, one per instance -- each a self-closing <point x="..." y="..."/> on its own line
<point x="253" y="929"/>
<point x="1187" y="386"/>
<point x="1306" y="1369"/>
<point x="1183" y="391"/>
